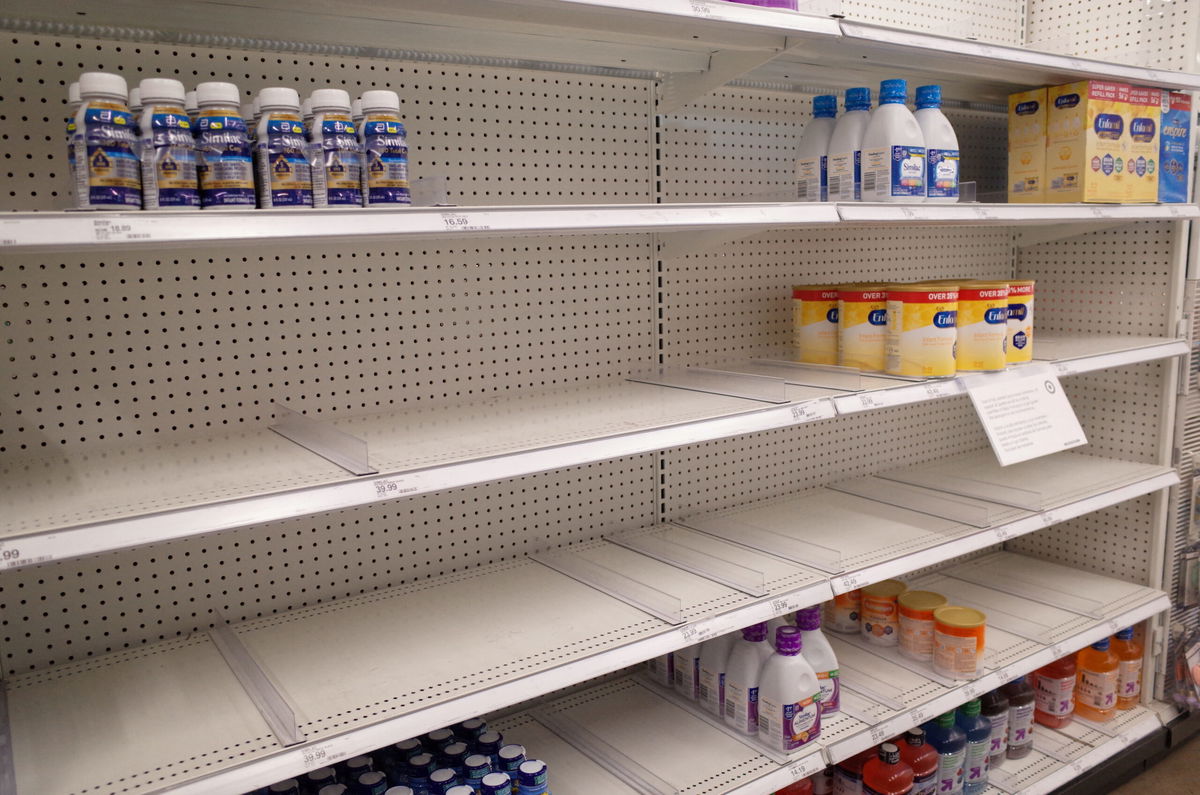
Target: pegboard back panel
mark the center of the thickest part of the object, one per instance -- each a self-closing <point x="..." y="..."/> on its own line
<point x="498" y="136"/>
<point x="74" y="609"/>
<point x="1000" y="21"/>
<point x="1157" y="33"/>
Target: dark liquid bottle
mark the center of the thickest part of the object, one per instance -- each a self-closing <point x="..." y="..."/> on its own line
<point x="995" y="709"/>
<point x="1021" y="700"/>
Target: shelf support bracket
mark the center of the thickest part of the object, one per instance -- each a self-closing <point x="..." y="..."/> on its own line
<point x="680" y="244"/>
<point x="8" y="775"/>
<point x="1049" y="233"/>
<point x="320" y="437"/>
<point x="271" y="704"/>
<point x="680" y="88"/>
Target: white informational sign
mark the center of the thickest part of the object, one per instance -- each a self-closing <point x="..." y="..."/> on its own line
<point x="1027" y="416"/>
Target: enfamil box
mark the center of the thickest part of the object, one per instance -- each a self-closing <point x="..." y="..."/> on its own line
<point x="1142" y="162"/>
<point x="1027" y="146"/>
<point x="1086" y="142"/>
<point x="1173" y="160"/>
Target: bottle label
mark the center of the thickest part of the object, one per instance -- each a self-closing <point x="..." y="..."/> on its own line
<point x="106" y="148"/>
<point x="955" y="656"/>
<point x="943" y="173"/>
<point x="687" y="675"/>
<point x="893" y="171"/>
<point x="950" y="772"/>
<point x="1097" y="689"/>
<point x="169" y="162"/>
<point x="712" y="690"/>
<point x="786" y="727"/>
<point x="340" y="159"/>
<point x="998" y="741"/>
<point x="1055" y="696"/>
<point x="223" y="160"/>
<point x="916" y="634"/>
<point x="831" y="690"/>
<point x="844" y="613"/>
<point x="1020" y="726"/>
<point x="1129" y="679"/>
<point x="386" y="162"/>
<point x="812" y="183"/>
<point x="285" y="179"/>
<point x="843" y="176"/>
<point x="926" y="785"/>
<point x="880" y="614"/>
<point x="741" y="706"/>
<point x="975" y="771"/>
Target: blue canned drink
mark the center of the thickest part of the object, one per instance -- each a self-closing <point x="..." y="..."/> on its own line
<point x="533" y="778"/>
<point x="372" y="783"/>
<point x="454" y="756"/>
<point x="442" y="780"/>
<point x="496" y="784"/>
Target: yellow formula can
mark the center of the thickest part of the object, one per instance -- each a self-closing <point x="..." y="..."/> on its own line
<point x="862" y="326"/>
<point x="982" y="326"/>
<point x="1020" y="321"/>
<point x="815" y="323"/>
<point x="921" y="329"/>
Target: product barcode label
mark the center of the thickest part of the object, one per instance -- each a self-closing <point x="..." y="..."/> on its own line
<point x="386" y="489"/>
<point x="851" y="581"/>
<point x="106" y="231"/>
<point x="813" y="410"/>
<point x="835" y="185"/>
<point x="458" y="222"/>
<point x="323" y="755"/>
<point x="13" y="557"/>
<point x="870" y="183"/>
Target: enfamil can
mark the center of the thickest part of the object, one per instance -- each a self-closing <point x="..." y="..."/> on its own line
<point x="1020" y="321"/>
<point x="982" y="326"/>
<point x="921" y="329"/>
<point x="815" y="323"/>
<point x="862" y="326"/>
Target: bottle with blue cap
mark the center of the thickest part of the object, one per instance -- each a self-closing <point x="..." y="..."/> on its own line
<point x="893" y="149"/>
<point x="443" y="779"/>
<point x="941" y="146"/>
<point x="812" y="167"/>
<point x="401" y="790"/>
<point x="845" y="147"/>
<point x="418" y="770"/>
<point x="334" y="789"/>
<point x="489" y="744"/>
<point x="533" y="778"/>
<point x="372" y="783"/>
<point x="314" y="780"/>
<point x="496" y="784"/>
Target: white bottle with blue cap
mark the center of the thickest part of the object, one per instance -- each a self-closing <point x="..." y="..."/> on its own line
<point x="811" y="164"/>
<point x="893" y="150"/>
<point x="845" y="147"/>
<point x="941" y="146"/>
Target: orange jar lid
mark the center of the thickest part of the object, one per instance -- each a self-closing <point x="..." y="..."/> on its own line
<point x="920" y="604"/>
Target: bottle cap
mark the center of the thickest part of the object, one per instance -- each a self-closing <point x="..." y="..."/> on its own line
<point x="218" y="94"/>
<point x="495" y="784"/>
<point x="407" y="748"/>
<point x="372" y="778"/>
<point x="892" y="91"/>
<point x="399" y="791"/>
<point x="306" y="111"/>
<point x="946" y="720"/>
<point x="532" y="773"/>
<point x="189" y="100"/>
<point x="329" y="99"/>
<point x="256" y="103"/>
<point x="460" y="789"/>
<point x="135" y="98"/>
<point x="278" y="97"/>
<point x="511" y="755"/>
<point x="755" y="633"/>
<point x="809" y="618"/>
<point x="380" y="100"/>
<point x="248" y="111"/>
<point x="420" y="765"/>
<point x="333" y="789"/>
<point x="489" y="742"/>
<point x="472" y="727"/>
<point x="889" y="753"/>
<point x="103" y="84"/>
<point x="824" y="106"/>
<point x="972" y="707"/>
<point x="915" y="736"/>
<point x="1125" y="634"/>
<point x="73" y="93"/>
<point x="443" y="775"/>
<point x="356" y="110"/>
<point x="929" y="97"/>
<point x="858" y="98"/>
<point x="439" y="738"/>
<point x="478" y="764"/>
<point x="322" y="776"/>
<point x="1101" y="645"/>
<point x="357" y="765"/>
<point x="284" y="787"/>
<point x="788" y="641"/>
<point x="158" y="89"/>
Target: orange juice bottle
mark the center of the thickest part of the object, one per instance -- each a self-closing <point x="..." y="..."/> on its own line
<point x="1096" y="682"/>
<point x="1054" y="689"/>
<point x="1129" y="674"/>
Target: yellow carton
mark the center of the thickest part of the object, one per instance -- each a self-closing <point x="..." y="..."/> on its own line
<point x="1027" y="146"/>
<point x="1087" y="140"/>
<point x="1141" y="164"/>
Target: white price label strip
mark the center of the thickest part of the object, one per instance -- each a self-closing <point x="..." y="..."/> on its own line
<point x="107" y="230"/>
<point x="851" y="581"/>
<point x="813" y="410"/>
<point x="697" y="633"/>
<point x="322" y="755"/>
<point x="461" y="222"/>
<point x="16" y="555"/>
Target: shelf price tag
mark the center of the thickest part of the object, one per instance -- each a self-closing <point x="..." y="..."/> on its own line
<point x="696" y="633"/>
<point x="941" y="389"/>
<point x="849" y="582"/>
<point x="460" y="222"/>
<point x="813" y="410"/>
<point x="322" y="755"/>
<point x="918" y="715"/>
<point x="1048" y="518"/>
<point x="391" y="488"/>
<point x="700" y="8"/>
<point x="1026" y="417"/>
<point x="16" y="556"/>
<point x="107" y="230"/>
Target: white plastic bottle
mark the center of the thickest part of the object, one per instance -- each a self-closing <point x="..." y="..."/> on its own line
<point x="168" y="151"/>
<point x="788" y="713"/>
<point x="819" y="654"/>
<point x="746" y="659"/>
<point x="687" y="672"/>
<point x="941" y="147"/>
<point x="714" y="657"/>
<point x="191" y="106"/>
<point x="385" y="148"/>
<point x="223" y="156"/>
<point x="107" y="172"/>
<point x="893" y="150"/>
<point x="811" y="165"/>
<point x="135" y="105"/>
<point x="284" y="177"/>
<point x="356" y="113"/>
<point x="845" y="147"/>
<point x="337" y="153"/>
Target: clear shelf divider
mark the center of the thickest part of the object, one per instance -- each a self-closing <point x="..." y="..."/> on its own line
<point x="680" y="555"/>
<point x="896" y="658"/>
<point x="847" y="379"/>
<point x="603" y="754"/>
<point x="646" y="598"/>
<point x="1013" y="583"/>
<point x="716" y="382"/>
<point x="272" y="705"/>
<point x="317" y="436"/>
<point x="970" y="487"/>
<point x="871" y="694"/>
<point x="976" y="513"/>
<point x="805" y="552"/>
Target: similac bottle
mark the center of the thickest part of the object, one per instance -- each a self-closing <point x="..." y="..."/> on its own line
<point x="1096" y="682"/>
<point x="789" y="715"/>
<point x="687" y="672"/>
<point x="941" y="146"/>
<point x="1054" y="688"/>
<point x="73" y="103"/>
<point x="223" y="156"/>
<point x="191" y="106"/>
<point x="107" y="172"/>
<point x="1021" y="704"/>
<point x="1129" y="673"/>
<point x="979" y="742"/>
<point x="775" y="623"/>
<point x="742" y="672"/>
<point x="385" y="172"/>
<point x="662" y="670"/>
<point x="812" y="166"/>
<point x="886" y="774"/>
<point x="893" y="150"/>
<point x="847" y="777"/>
<point x="337" y="153"/>
<point x="845" y="147"/>
<point x="951" y="744"/>
<point x="714" y="657"/>
<point x="820" y="655"/>
<point x="995" y="708"/>
<point x="923" y="759"/>
<point x="284" y="176"/>
<point x="136" y="107"/>
<point x="168" y="148"/>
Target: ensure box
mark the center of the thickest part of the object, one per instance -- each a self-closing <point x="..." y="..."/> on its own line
<point x="1086" y="142"/>
<point x="1142" y="161"/>
<point x="1027" y="146"/>
<point x="1175" y="132"/>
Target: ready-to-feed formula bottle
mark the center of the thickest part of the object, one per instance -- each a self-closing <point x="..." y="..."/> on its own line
<point x="284" y="176"/>
<point x="893" y="150"/>
<point x="845" y="147"/>
<point x="811" y="165"/>
<point x="941" y="146"/>
<point x="191" y="106"/>
<point x="168" y="149"/>
<point x="107" y="172"/>
<point x="385" y="171"/>
<point x="687" y="671"/>
<point x="223" y="156"/>
<point x="714" y="657"/>
<point x="819" y="653"/>
<point x="741" y="678"/>
<point x="789" y="714"/>
<point x="337" y="153"/>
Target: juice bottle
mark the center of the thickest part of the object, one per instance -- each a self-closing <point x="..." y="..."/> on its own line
<point x="1129" y="673"/>
<point x="886" y="774"/>
<point x="979" y="735"/>
<point x="995" y="709"/>
<point x="1096" y="682"/>
<point x="951" y="744"/>
<point x="848" y="776"/>
<point x="1021" y="703"/>
<point x="923" y="759"/>
<point x="1054" y="689"/>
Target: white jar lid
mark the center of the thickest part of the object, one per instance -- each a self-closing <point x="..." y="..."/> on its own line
<point x="189" y="100"/>
<point x="278" y="97"/>
<point x="380" y="100"/>
<point x="135" y="98"/>
<point x="103" y="84"/>
<point x="159" y="89"/>
<point x="218" y="94"/>
<point x="356" y="110"/>
<point x="73" y="93"/>
<point x="330" y="99"/>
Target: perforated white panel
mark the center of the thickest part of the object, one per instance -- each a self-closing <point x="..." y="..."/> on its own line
<point x="999" y="21"/>
<point x="1158" y="33"/>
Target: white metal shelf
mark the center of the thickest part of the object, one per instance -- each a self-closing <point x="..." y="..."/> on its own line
<point x="61" y="506"/>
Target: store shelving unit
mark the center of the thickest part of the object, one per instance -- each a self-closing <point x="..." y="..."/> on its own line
<point x="570" y="448"/>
